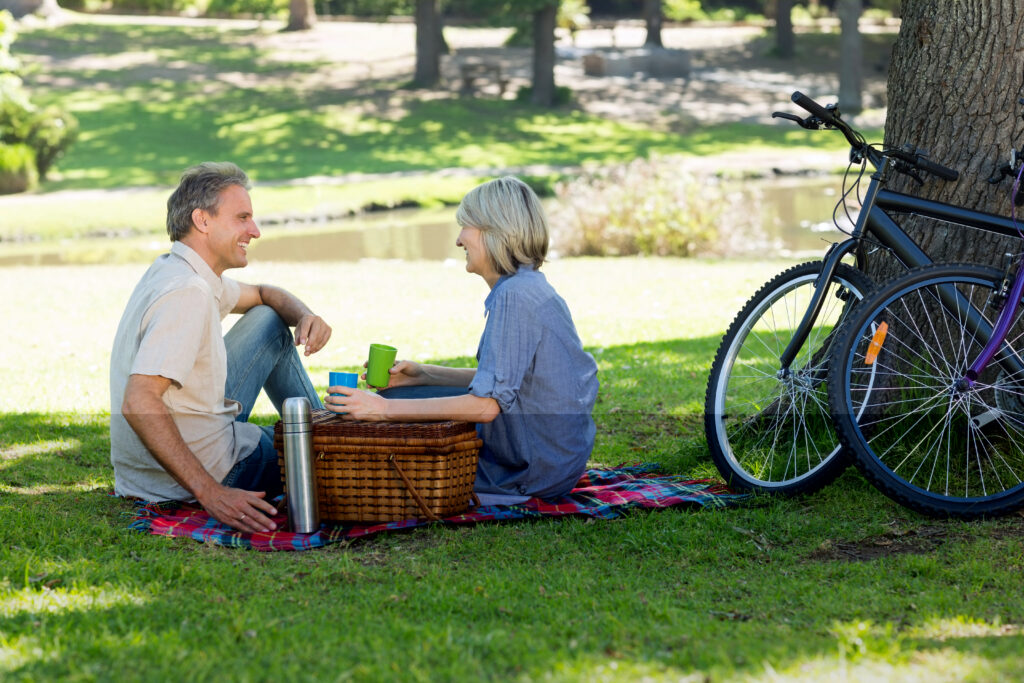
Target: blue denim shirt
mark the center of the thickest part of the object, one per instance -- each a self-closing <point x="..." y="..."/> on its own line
<point x="531" y="362"/>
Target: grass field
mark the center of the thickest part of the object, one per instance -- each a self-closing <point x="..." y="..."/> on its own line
<point x="154" y="99"/>
<point x="842" y="585"/>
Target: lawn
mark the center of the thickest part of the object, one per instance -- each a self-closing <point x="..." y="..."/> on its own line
<point x="842" y="585"/>
<point x="154" y="99"/>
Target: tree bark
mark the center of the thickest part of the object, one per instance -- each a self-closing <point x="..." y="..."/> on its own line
<point x="428" y="37"/>
<point x="301" y="15"/>
<point x="954" y="81"/>
<point x="653" y="19"/>
<point x="784" y="40"/>
<point x="544" y="55"/>
<point x="851" y="56"/>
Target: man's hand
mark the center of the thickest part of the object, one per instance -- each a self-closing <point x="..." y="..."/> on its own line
<point x="242" y="510"/>
<point x="313" y="332"/>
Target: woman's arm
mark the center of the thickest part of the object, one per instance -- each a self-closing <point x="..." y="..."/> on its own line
<point x="365" y="405"/>
<point x="408" y="373"/>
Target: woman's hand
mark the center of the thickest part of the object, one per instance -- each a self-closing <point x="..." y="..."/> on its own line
<point x="404" y="373"/>
<point x="355" y="404"/>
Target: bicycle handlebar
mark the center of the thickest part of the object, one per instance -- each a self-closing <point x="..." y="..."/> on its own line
<point x="830" y="117"/>
<point x="813" y="107"/>
<point x="936" y="169"/>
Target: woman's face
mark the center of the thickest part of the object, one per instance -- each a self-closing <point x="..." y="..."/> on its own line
<point x="477" y="260"/>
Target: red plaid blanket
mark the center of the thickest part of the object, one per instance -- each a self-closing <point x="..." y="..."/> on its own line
<point x="601" y="493"/>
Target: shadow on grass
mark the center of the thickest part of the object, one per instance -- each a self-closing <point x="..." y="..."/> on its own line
<point x="665" y="593"/>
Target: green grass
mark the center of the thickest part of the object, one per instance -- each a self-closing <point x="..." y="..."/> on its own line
<point x="841" y="585"/>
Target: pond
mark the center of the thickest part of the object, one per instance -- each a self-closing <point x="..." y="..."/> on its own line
<point x="797" y="215"/>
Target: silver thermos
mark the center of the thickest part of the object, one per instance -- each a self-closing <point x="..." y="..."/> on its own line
<point x="297" y="429"/>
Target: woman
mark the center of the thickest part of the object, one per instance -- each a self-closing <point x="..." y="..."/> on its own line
<point x="534" y="386"/>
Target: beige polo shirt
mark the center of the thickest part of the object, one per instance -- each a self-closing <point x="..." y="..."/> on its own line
<point x="171" y="327"/>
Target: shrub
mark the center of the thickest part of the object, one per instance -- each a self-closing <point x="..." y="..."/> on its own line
<point x="654" y="207"/>
<point x="48" y="132"/>
<point x="563" y="95"/>
<point x="17" y="168"/>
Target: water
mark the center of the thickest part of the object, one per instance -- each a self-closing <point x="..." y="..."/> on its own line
<point x="797" y="216"/>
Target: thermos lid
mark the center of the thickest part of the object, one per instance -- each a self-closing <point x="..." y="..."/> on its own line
<point x="296" y="410"/>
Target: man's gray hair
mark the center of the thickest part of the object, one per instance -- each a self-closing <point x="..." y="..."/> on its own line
<point x="511" y="221"/>
<point x="199" y="188"/>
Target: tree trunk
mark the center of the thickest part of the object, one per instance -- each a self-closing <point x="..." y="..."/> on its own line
<point x="428" y="54"/>
<point x="784" y="41"/>
<point x="544" y="55"/>
<point x="20" y="8"/>
<point x="953" y="86"/>
<point x="851" y="56"/>
<point x="301" y="15"/>
<point x="653" y="19"/>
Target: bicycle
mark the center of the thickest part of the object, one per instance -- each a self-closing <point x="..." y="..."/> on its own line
<point x="934" y="363"/>
<point x="767" y="419"/>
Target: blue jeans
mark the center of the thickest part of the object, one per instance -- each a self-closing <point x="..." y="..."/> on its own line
<point x="260" y="470"/>
<point x="261" y="355"/>
<point x="423" y="391"/>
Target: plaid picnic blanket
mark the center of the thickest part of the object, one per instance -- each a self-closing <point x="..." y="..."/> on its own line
<point x="601" y="493"/>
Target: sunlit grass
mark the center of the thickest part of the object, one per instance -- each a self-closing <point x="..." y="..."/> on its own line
<point x="738" y="595"/>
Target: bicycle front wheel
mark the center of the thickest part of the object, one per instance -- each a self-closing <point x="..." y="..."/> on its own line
<point x="922" y="435"/>
<point x="769" y="430"/>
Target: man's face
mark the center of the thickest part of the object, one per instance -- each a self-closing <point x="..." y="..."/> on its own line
<point x="230" y="230"/>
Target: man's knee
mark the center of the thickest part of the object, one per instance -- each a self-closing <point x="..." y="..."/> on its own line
<point x="264" y="322"/>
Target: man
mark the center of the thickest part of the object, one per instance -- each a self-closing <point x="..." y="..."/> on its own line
<point x="180" y="392"/>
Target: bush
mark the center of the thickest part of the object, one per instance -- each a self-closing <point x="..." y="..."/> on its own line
<point x="48" y="132"/>
<point x="17" y="169"/>
<point x="654" y="207"/>
<point x="563" y="95"/>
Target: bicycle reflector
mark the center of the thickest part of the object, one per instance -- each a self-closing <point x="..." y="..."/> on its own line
<point x="877" y="339"/>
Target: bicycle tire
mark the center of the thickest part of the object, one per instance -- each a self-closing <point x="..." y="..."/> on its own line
<point x="941" y="448"/>
<point x="767" y="433"/>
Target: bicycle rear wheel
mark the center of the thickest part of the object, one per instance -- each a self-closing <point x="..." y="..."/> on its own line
<point x="768" y="430"/>
<point x="920" y="435"/>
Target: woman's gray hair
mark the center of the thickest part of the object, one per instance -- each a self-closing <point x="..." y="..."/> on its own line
<point x="511" y="221"/>
<point x="199" y="188"/>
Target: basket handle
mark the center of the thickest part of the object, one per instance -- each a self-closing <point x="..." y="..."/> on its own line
<point x="412" y="491"/>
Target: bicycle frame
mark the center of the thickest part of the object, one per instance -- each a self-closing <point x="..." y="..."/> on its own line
<point x="874" y="219"/>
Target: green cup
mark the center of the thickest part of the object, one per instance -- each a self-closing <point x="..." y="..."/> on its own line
<point x="382" y="357"/>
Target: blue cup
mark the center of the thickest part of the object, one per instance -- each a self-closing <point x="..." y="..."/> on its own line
<point x="343" y="379"/>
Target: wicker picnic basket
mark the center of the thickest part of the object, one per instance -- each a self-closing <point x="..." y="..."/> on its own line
<point x="390" y="471"/>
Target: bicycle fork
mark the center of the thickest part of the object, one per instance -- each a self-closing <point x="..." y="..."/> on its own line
<point x="833" y="257"/>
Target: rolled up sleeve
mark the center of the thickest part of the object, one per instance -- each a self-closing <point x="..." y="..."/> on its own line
<point x="507" y="351"/>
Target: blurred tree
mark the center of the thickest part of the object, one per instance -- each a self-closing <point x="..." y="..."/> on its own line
<point x="19" y="8"/>
<point x="428" y="44"/>
<point x="545" y="15"/>
<point x="851" y="55"/>
<point x="653" y="18"/>
<point x="301" y="15"/>
<point x="785" y="44"/>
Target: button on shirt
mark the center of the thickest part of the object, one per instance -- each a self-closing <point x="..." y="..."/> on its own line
<point x="531" y="362"/>
<point x="171" y="327"/>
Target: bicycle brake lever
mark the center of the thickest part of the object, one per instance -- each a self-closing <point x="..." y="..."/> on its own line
<point x="790" y="117"/>
<point x="916" y="177"/>
<point x="1000" y="173"/>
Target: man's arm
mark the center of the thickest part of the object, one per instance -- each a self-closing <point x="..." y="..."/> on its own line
<point x="146" y="413"/>
<point x="310" y="329"/>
